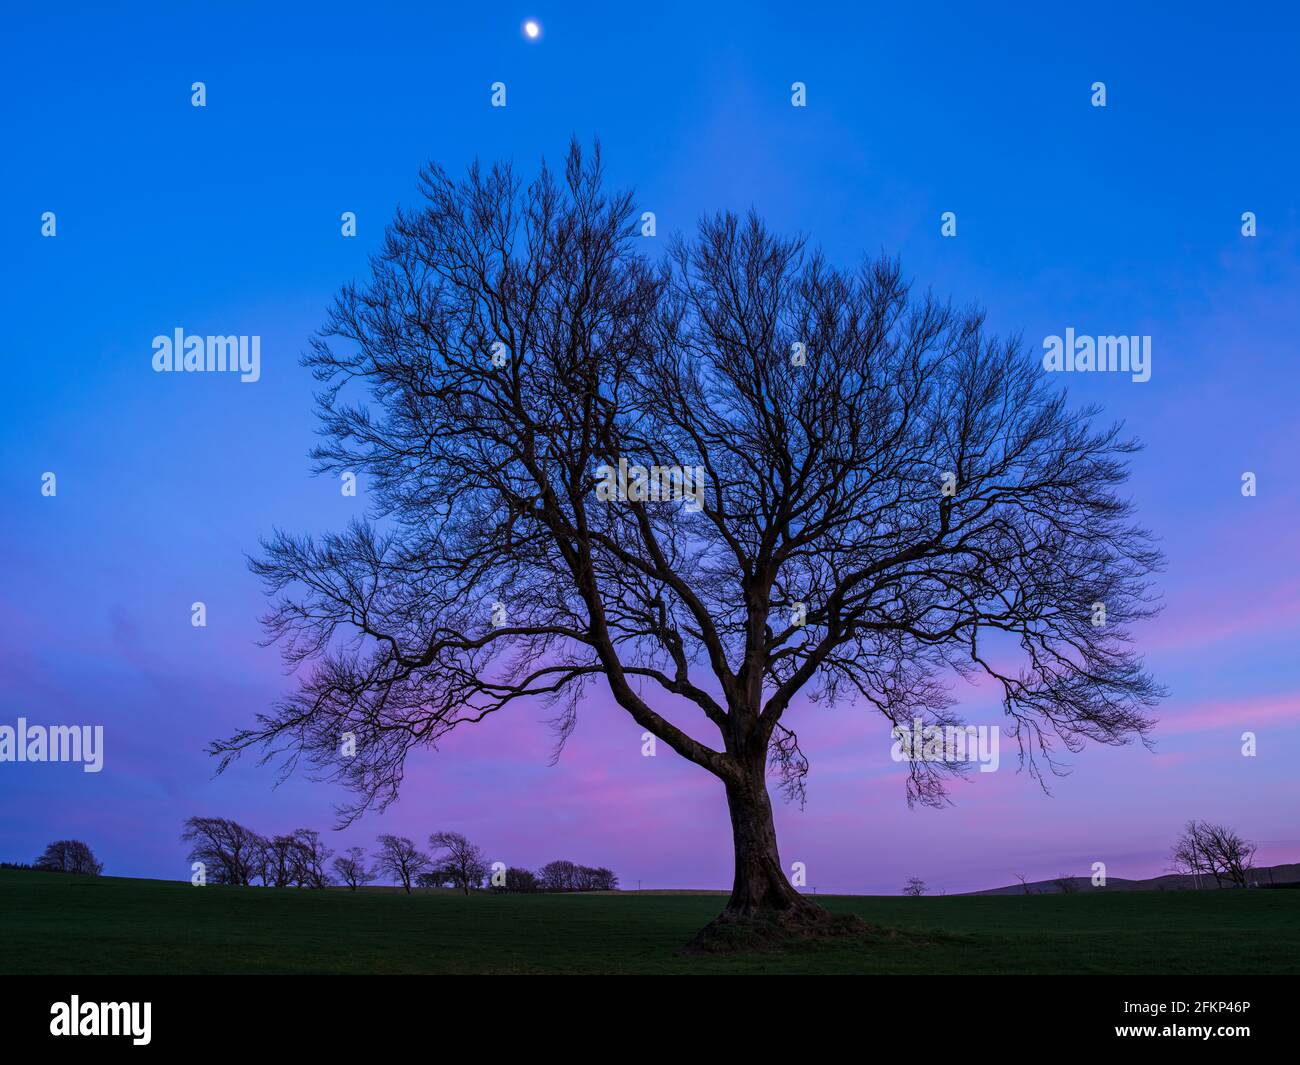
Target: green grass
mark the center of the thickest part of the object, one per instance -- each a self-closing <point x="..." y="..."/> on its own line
<point x="51" y="923"/>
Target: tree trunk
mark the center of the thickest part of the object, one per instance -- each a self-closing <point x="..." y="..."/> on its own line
<point x="760" y="886"/>
<point x="765" y="911"/>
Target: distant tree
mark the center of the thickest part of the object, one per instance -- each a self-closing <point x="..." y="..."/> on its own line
<point x="352" y="870"/>
<point x="1066" y="884"/>
<point x="69" y="856"/>
<point x="230" y="852"/>
<point x="280" y="860"/>
<point x="312" y="856"/>
<point x="1216" y="850"/>
<point x="1190" y="855"/>
<point x="440" y="875"/>
<point x="520" y="881"/>
<point x="597" y="879"/>
<point x="1230" y="855"/>
<point x="401" y="860"/>
<point x="915" y="887"/>
<point x="559" y="875"/>
<point x="1025" y="886"/>
<point x="463" y="860"/>
<point x="570" y="876"/>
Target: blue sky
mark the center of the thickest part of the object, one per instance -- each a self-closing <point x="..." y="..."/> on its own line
<point x="225" y="219"/>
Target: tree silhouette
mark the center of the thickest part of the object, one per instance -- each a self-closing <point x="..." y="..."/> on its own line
<point x="400" y="859"/>
<point x="281" y="862"/>
<point x="889" y="497"/>
<point x="69" y="856"/>
<point x="463" y="862"/>
<point x="312" y="856"/>
<point x="352" y="869"/>
<point x="232" y="853"/>
<point x="1214" y="849"/>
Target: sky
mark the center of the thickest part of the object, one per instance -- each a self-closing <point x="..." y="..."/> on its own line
<point x="1122" y="219"/>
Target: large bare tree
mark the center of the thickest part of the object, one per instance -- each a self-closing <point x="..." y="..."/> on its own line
<point x="890" y="497"/>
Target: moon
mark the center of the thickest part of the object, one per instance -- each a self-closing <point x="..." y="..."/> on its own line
<point x="532" y="29"/>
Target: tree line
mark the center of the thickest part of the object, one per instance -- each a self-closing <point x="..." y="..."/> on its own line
<point x="232" y="853"/>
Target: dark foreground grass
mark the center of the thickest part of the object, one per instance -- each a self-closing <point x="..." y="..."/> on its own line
<point x="51" y="923"/>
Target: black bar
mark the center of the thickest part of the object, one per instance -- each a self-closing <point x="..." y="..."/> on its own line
<point x="331" y="1014"/>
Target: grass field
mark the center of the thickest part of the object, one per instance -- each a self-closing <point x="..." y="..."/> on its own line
<point x="50" y="923"/>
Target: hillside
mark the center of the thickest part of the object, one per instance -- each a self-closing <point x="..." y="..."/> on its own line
<point x="1278" y="875"/>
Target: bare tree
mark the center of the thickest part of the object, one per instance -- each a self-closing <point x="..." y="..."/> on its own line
<point x="69" y="856"/>
<point x="280" y="862"/>
<point x="560" y="875"/>
<point x="885" y="492"/>
<point x="564" y="875"/>
<point x="230" y="852"/>
<point x="463" y="861"/>
<point x="1024" y="886"/>
<point x="520" y="881"/>
<point x="1066" y="884"/>
<point x="436" y="876"/>
<point x="352" y="870"/>
<point x="1190" y="855"/>
<point x="1232" y="856"/>
<point x="596" y="878"/>
<point x="401" y="860"/>
<point x="915" y="887"/>
<point x="312" y="855"/>
<point x="1214" y="849"/>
